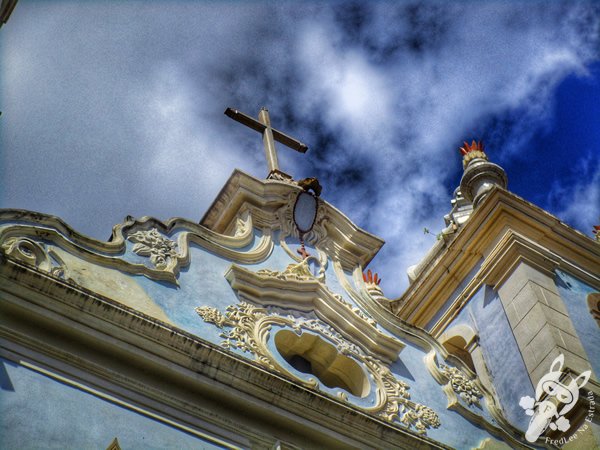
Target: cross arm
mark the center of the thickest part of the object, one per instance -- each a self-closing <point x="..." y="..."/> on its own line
<point x="289" y="141"/>
<point x="251" y="122"/>
<point x="245" y="119"/>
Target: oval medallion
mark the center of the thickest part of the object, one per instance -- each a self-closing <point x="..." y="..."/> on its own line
<point x="305" y="211"/>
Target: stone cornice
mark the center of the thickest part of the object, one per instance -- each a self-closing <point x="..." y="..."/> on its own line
<point x="436" y="355"/>
<point x="31" y="232"/>
<point x="310" y="295"/>
<point x="137" y="358"/>
<point x="509" y="252"/>
<point x="503" y="229"/>
<point x="267" y="199"/>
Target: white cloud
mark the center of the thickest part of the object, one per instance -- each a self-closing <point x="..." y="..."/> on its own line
<point x="404" y="115"/>
<point x="578" y="204"/>
<point x="126" y="103"/>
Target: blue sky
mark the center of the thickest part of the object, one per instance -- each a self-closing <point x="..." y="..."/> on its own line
<point x="116" y="108"/>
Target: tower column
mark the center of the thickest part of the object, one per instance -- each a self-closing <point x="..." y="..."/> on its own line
<point x="539" y="320"/>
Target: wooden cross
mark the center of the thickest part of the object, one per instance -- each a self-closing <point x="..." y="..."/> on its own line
<point x="270" y="135"/>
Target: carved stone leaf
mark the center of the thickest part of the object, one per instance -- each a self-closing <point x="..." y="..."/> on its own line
<point x="250" y="327"/>
<point x="212" y="315"/>
<point x="462" y="385"/>
<point x="151" y="243"/>
<point x="421" y="417"/>
<point x="142" y="249"/>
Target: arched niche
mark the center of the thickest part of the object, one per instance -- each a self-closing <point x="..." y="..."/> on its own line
<point x="458" y="341"/>
<point x="309" y="353"/>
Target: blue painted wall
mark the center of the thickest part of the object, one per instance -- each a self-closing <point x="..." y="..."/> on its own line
<point x="485" y="314"/>
<point x="455" y="430"/>
<point x="452" y="296"/>
<point x="574" y="293"/>
<point x="38" y="412"/>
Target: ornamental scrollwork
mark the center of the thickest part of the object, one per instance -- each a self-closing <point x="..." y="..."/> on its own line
<point x="343" y="346"/>
<point x="28" y="251"/>
<point x="398" y="403"/>
<point x="462" y="385"/>
<point x="244" y="335"/>
<point x="249" y="327"/>
<point x="151" y="243"/>
<point x="242" y="226"/>
<point x="421" y="417"/>
<point x="38" y="255"/>
<point x="301" y="272"/>
<point x="295" y="272"/>
<point x="278" y="176"/>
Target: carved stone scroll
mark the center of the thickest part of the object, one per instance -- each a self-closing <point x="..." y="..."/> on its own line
<point x="296" y="288"/>
<point x="161" y="250"/>
<point x="462" y="385"/>
<point x="247" y="327"/>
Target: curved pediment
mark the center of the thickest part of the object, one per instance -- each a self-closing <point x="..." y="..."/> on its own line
<point x="246" y="206"/>
<point x="164" y="247"/>
<point x="296" y="288"/>
<point x="271" y="204"/>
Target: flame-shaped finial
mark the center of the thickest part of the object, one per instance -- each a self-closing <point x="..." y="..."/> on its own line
<point x="480" y="175"/>
<point x="596" y="231"/>
<point x="371" y="278"/>
<point x="472" y="151"/>
<point x="372" y="281"/>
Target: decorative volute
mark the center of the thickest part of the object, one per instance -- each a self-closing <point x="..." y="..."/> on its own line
<point x="480" y="175"/>
<point x="275" y="205"/>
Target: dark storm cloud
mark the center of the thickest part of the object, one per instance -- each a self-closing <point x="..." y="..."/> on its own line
<point x="117" y="108"/>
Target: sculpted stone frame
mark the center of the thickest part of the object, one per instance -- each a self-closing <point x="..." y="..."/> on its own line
<point x="30" y="243"/>
<point x="249" y="330"/>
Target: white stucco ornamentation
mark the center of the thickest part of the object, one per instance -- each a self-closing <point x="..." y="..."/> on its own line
<point x="161" y="250"/>
<point x="297" y="272"/>
<point x="345" y="347"/>
<point x="35" y="232"/>
<point x="36" y="254"/>
<point x="250" y="328"/>
<point x="28" y="251"/>
<point x="285" y="214"/>
<point x="462" y="385"/>
<point x="297" y="288"/>
<point x="212" y="315"/>
<point x="278" y="176"/>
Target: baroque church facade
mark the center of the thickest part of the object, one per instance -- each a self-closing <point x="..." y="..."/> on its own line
<point x="262" y="326"/>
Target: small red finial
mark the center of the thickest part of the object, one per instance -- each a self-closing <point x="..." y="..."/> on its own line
<point x="473" y="147"/>
<point x="596" y="231"/>
<point x="372" y="281"/>
<point x="472" y="151"/>
<point x="371" y="278"/>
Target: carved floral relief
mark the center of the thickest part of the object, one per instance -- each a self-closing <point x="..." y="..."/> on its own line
<point x="248" y="327"/>
<point x="161" y="250"/>
<point x="462" y="385"/>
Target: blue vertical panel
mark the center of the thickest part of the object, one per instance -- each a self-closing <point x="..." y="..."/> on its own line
<point x="574" y="293"/>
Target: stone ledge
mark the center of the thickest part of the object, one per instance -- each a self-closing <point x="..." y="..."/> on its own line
<point x="85" y="325"/>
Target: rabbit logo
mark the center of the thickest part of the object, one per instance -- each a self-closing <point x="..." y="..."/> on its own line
<point x="546" y="413"/>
